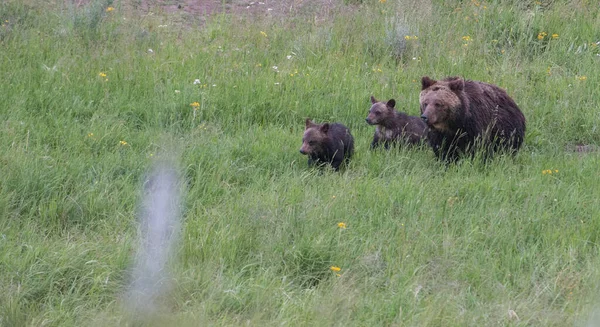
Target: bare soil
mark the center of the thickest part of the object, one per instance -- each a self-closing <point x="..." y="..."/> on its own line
<point x="241" y="7"/>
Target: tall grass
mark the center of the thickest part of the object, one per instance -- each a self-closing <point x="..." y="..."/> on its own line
<point x="89" y="97"/>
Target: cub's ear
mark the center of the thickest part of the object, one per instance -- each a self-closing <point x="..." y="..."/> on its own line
<point x="391" y="103"/>
<point x="427" y="82"/>
<point x="456" y="84"/>
<point x="373" y="100"/>
<point x="308" y="123"/>
<point x="325" y="128"/>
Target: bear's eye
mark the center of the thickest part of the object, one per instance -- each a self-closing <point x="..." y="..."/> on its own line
<point x="312" y="142"/>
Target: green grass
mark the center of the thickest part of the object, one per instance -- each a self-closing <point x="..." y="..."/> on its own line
<point x="425" y="245"/>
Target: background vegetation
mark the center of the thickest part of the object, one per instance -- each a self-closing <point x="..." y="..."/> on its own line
<point x="91" y="97"/>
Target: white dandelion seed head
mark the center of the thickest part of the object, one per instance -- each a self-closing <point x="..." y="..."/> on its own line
<point x="197" y="81"/>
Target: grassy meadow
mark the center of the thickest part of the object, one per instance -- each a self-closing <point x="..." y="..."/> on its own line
<point x="91" y="98"/>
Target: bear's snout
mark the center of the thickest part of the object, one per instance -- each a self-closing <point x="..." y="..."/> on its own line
<point x="424" y="118"/>
<point x="302" y="151"/>
<point x="368" y="120"/>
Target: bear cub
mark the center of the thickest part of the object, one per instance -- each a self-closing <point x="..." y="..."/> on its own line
<point x="327" y="144"/>
<point x="394" y="127"/>
<point x="464" y="116"/>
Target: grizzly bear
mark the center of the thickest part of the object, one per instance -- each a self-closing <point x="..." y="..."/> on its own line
<point x="327" y="144"/>
<point x="465" y="116"/>
<point x="394" y="127"/>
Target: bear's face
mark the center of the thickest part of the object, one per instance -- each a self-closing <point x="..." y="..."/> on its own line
<point x="314" y="137"/>
<point x="380" y="111"/>
<point x="439" y="102"/>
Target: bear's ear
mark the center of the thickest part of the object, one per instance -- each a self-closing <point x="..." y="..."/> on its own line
<point x="391" y="103"/>
<point x="456" y="84"/>
<point x="308" y="123"/>
<point x="427" y="82"/>
<point x="373" y="100"/>
<point x="325" y="128"/>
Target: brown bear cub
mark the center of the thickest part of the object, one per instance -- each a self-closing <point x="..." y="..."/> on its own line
<point x="464" y="116"/>
<point x="394" y="127"/>
<point x="327" y="144"/>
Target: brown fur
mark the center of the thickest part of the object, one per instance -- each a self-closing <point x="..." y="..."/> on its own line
<point x="465" y="115"/>
<point x="327" y="144"/>
<point x="393" y="126"/>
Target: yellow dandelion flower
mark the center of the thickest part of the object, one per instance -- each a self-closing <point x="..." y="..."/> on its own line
<point x="382" y="1"/>
<point x="542" y="35"/>
<point x="102" y="74"/>
<point x="466" y="38"/>
<point x="195" y="104"/>
<point x="335" y="268"/>
<point x="342" y="225"/>
<point x="109" y="9"/>
<point x="263" y="33"/>
<point x="90" y="135"/>
<point x="555" y="36"/>
<point x="556" y="170"/>
<point x="581" y="78"/>
<point x="123" y="143"/>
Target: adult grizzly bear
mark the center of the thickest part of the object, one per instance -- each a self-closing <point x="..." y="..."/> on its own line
<point x="465" y="115"/>
<point x="394" y="126"/>
<point x="327" y="144"/>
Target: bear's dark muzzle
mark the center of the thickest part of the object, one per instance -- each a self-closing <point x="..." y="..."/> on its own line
<point x="424" y="118"/>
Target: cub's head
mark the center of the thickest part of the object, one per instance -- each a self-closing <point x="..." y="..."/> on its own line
<point x="439" y="101"/>
<point x="380" y="111"/>
<point x="314" y="137"/>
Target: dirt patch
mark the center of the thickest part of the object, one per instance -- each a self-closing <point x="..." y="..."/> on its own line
<point x="207" y="7"/>
<point x="582" y="148"/>
<point x="199" y="10"/>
